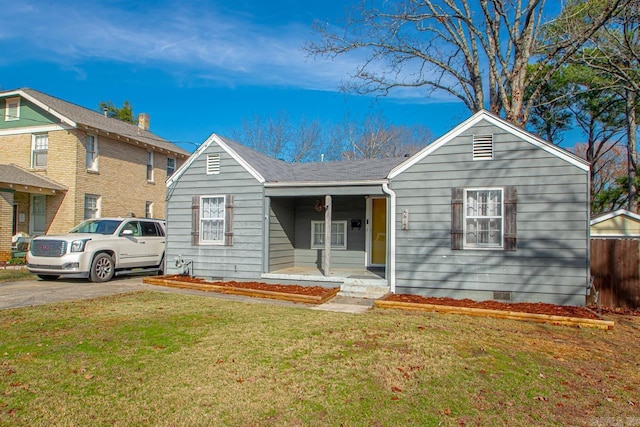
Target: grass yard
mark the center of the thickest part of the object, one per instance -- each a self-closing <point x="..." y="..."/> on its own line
<point x="12" y="274"/>
<point x="152" y="358"/>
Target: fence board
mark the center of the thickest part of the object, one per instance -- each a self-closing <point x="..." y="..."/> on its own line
<point x="615" y="267"/>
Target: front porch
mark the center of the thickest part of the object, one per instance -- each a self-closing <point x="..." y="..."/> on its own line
<point x="353" y="282"/>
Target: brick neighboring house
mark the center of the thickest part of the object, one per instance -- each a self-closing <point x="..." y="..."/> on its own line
<point x="61" y="163"/>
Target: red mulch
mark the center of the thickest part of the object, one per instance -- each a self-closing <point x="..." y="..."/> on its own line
<point x="522" y="307"/>
<point x="287" y="289"/>
<point x="535" y="308"/>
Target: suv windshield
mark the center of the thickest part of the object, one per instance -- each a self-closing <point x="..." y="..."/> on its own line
<point x="97" y="226"/>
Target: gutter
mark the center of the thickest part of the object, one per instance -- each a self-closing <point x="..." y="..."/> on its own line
<point x="324" y="183"/>
<point x="392" y="236"/>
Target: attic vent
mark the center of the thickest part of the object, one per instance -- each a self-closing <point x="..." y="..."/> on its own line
<point x="502" y="295"/>
<point x="213" y="164"/>
<point x="482" y="147"/>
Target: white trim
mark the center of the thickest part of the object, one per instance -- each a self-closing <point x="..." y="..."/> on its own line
<point x="32" y="129"/>
<point x="201" y="240"/>
<point x="45" y="107"/>
<point x="324" y="183"/>
<point x="619" y="212"/>
<point x="464" y="220"/>
<point x="496" y="121"/>
<point x="339" y="248"/>
<point x="213" y="138"/>
<point x="240" y="160"/>
<point x="7" y="101"/>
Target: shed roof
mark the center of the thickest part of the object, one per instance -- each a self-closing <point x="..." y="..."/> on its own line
<point x="74" y="115"/>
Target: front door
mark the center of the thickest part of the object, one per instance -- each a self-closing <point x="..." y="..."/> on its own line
<point x="38" y="220"/>
<point x="378" y="231"/>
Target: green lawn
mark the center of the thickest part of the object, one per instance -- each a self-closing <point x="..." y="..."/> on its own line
<point x="171" y="360"/>
<point x="12" y="274"/>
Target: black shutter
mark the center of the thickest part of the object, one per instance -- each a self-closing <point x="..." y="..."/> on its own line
<point x="457" y="217"/>
<point x="195" y="221"/>
<point x="510" y="218"/>
<point x="228" y="220"/>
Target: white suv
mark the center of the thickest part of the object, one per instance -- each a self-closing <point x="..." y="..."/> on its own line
<point x="99" y="248"/>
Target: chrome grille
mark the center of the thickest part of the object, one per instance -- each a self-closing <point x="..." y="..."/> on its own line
<point x="48" y="248"/>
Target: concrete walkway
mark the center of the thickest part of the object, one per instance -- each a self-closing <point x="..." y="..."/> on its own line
<point x="27" y="293"/>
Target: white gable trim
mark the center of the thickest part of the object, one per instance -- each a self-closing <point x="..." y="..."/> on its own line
<point x="43" y="106"/>
<point x="213" y="139"/>
<point x="502" y="124"/>
<point x="619" y="212"/>
<point x="33" y="129"/>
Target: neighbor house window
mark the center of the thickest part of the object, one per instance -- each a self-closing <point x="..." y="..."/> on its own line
<point x="148" y="209"/>
<point x="150" y="166"/>
<point x="92" y="153"/>
<point x="91" y="206"/>
<point x="11" y="109"/>
<point x="338" y="234"/>
<point x="483" y="218"/>
<point x="171" y="166"/>
<point x="39" y="149"/>
<point x="212" y="219"/>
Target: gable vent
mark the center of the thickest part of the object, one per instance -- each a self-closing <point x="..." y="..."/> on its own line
<point x="482" y="147"/>
<point x="213" y="164"/>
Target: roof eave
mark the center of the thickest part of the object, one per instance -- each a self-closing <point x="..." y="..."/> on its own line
<point x="302" y="184"/>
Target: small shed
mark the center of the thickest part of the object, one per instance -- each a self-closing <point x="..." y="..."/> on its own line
<point x="617" y="224"/>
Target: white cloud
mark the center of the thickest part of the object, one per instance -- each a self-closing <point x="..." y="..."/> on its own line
<point x="206" y="42"/>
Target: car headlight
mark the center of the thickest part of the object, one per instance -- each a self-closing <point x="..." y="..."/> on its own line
<point x="78" y="245"/>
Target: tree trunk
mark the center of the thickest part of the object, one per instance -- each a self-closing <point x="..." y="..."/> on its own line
<point x="632" y="128"/>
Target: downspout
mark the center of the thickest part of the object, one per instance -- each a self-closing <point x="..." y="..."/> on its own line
<point x="392" y="236"/>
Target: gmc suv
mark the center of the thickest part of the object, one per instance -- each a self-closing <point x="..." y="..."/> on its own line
<point x="100" y="248"/>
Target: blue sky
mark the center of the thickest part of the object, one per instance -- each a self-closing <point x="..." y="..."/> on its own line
<point x="195" y="67"/>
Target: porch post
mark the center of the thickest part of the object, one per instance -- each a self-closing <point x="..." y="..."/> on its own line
<point x="326" y="265"/>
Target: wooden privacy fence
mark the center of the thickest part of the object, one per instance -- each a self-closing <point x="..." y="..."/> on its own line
<point x="615" y="268"/>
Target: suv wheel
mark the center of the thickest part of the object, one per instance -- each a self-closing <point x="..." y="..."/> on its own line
<point x="102" y="268"/>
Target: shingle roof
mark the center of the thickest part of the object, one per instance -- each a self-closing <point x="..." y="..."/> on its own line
<point x="274" y="170"/>
<point x="96" y="120"/>
<point x="12" y="174"/>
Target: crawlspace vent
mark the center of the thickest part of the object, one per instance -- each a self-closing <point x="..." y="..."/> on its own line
<point x="502" y="295"/>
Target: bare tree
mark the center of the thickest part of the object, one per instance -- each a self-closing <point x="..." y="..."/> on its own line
<point x="281" y="138"/>
<point x="373" y="137"/>
<point x="463" y="48"/>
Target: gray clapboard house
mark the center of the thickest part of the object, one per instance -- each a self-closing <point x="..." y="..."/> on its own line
<point x="487" y="211"/>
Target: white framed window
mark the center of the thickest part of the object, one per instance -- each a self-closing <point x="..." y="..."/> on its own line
<point x="171" y="166"/>
<point x="91" y="146"/>
<point x="39" y="150"/>
<point x="11" y="109"/>
<point x="212" y="218"/>
<point x="483" y="218"/>
<point x="91" y="206"/>
<point x="150" y="166"/>
<point x="148" y="209"/>
<point x="338" y="234"/>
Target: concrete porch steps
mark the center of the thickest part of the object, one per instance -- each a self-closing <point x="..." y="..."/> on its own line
<point x="364" y="288"/>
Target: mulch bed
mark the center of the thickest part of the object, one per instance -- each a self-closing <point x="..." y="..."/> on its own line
<point x="532" y="308"/>
<point x="286" y="289"/>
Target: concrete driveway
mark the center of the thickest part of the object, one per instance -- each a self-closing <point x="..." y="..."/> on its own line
<point x="38" y="292"/>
